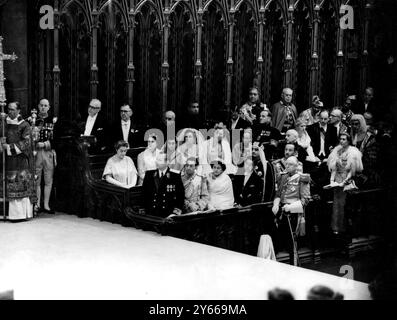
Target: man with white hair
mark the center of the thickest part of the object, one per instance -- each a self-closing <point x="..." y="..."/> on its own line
<point x="335" y="119"/>
<point x="168" y="125"/>
<point x="291" y="136"/>
<point x="95" y="125"/>
<point x="292" y="196"/>
<point x="284" y="112"/>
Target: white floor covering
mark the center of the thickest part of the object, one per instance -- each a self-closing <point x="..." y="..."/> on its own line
<point x="65" y="257"/>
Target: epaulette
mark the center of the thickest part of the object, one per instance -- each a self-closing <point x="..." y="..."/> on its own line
<point x="274" y="162"/>
<point x="304" y="177"/>
<point x="175" y="171"/>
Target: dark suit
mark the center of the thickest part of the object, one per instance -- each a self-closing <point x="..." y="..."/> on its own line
<point x="270" y="178"/>
<point x="249" y="193"/>
<point x="359" y="107"/>
<point x="164" y="194"/>
<point x="330" y="139"/>
<point x="135" y="136"/>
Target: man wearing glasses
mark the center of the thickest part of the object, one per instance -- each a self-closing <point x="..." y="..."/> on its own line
<point x="95" y="125"/>
<point x="125" y="129"/>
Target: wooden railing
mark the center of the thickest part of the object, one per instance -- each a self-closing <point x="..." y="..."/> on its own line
<point x="82" y="192"/>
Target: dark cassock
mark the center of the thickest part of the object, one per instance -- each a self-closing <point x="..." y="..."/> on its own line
<point x="163" y="192"/>
<point x="19" y="169"/>
<point x="247" y="189"/>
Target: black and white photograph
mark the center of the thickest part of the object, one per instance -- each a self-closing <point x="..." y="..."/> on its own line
<point x="199" y="155"/>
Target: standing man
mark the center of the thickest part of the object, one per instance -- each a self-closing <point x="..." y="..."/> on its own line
<point x="168" y="126"/>
<point x="192" y="119"/>
<point x="17" y="146"/>
<point x="237" y="121"/>
<point x="95" y="125"/>
<point x="323" y="136"/>
<point x="125" y="129"/>
<point x="312" y="115"/>
<point x="347" y="109"/>
<point x="250" y="111"/>
<point x="335" y="119"/>
<point x="45" y="154"/>
<point x="366" y="104"/>
<point x="292" y="196"/>
<point x="290" y="150"/>
<point x="284" y="112"/>
<point x="163" y="190"/>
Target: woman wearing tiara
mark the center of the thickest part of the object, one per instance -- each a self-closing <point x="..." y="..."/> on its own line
<point x="147" y="158"/>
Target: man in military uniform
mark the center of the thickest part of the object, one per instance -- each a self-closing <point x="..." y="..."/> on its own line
<point x="279" y="165"/>
<point x="250" y="111"/>
<point x="292" y="196"/>
<point x="196" y="189"/>
<point x="43" y="137"/>
<point x="163" y="190"/>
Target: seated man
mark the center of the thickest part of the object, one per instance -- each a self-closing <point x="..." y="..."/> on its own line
<point x="248" y="187"/>
<point x="196" y="190"/>
<point x="163" y="190"/>
<point x="291" y="198"/>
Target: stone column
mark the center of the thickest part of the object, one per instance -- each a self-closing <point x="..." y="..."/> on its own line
<point x="313" y="89"/>
<point x="94" y="57"/>
<point x="165" y="66"/>
<point x="288" y="48"/>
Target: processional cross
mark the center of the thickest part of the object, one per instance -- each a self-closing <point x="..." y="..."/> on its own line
<point x="3" y="100"/>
